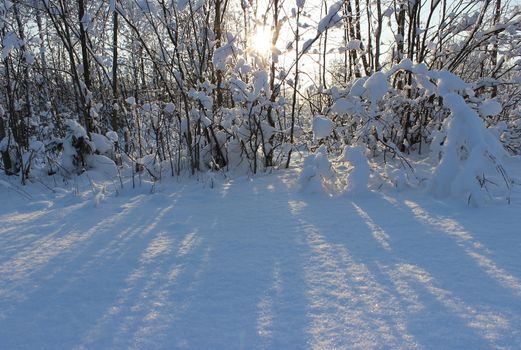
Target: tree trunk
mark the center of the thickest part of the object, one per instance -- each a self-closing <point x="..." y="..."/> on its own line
<point x="494" y="53"/>
<point x="86" y="67"/>
<point x="115" y="96"/>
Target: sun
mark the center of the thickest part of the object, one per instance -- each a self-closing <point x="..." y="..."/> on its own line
<point x="261" y="40"/>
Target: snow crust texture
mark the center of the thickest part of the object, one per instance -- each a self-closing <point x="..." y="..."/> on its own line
<point x="256" y="264"/>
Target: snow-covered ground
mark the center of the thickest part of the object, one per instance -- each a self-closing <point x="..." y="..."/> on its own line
<point x="256" y="264"/>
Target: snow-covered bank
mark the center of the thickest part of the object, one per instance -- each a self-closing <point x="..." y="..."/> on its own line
<point x="256" y="263"/>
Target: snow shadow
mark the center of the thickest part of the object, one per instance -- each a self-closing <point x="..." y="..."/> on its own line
<point x="379" y="275"/>
<point x="443" y="286"/>
<point x="250" y="296"/>
<point x="184" y="270"/>
<point x="475" y="249"/>
<point x="78" y="267"/>
<point x="254" y="264"/>
<point x="348" y="305"/>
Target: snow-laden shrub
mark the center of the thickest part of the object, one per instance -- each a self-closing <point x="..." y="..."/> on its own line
<point x="248" y="137"/>
<point x="102" y="144"/>
<point x="402" y="108"/>
<point x="76" y="147"/>
<point x="358" y="175"/>
<point x="82" y="153"/>
<point x="396" y="176"/>
<point x="316" y="172"/>
<point x="322" y="127"/>
<point x="102" y="164"/>
<point x="9" y="146"/>
<point x="511" y="137"/>
<point x="434" y="113"/>
<point x="33" y="158"/>
<point x="470" y="157"/>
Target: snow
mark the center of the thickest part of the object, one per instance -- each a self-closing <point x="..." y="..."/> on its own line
<point x="490" y="108"/>
<point x="397" y="177"/>
<point x="255" y="264"/>
<point x="75" y="129"/>
<point x="376" y="87"/>
<point x="102" y="144"/>
<point x="358" y="177"/>
<point x="322" y="127"/>
<point x="449" y="83"/>
<point x="9" y="42"/>
<point x="29" y="58"/>
<point x="169" y="107"/>
<point x="358" y="88"/>
<point x="332" y="18"/>
<point x="145" y="5"/>
<point x="112" y="136"/>
<point x="307" y="45"/>
<point x="353" y="44"/>
<point x="131" y="101"/>
<point x="102" y="164"/>
<point x="35" y="145"/>
<point x="182" y="4"/>
<point x="316" y="170"/>
<point x="343" y="106"/>
<point x="382" y="214"/>
<point x="7" y="141"/>
<point x="468" y="152"/>
<point x="260" y="83"/>
<point x="223" y="53"/>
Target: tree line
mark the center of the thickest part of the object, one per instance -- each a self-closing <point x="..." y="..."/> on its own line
<point x="183" y="83"/>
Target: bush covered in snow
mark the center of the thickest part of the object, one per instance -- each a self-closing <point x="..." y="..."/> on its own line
<point x="316" y="172"/>
<point x="438" y="116"/>
<point x="197" y="89"/>
<point x="358" y="176"/>
<point x="81" y="152"/>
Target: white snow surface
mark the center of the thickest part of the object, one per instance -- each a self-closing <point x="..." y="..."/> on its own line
<point x="254" y="263"/>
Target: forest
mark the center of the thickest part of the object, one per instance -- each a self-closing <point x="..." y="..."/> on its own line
<point x="165" y="88"/>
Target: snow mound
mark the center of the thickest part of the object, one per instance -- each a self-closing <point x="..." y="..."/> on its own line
<point x="470" y="154"/>
<point x="358" y="176"/>
<point x="102" y="144"/>
<point x="316" y="170"/>
<point x="102" y="164"/>
<point x="490" y="108"/>
<point x="376" y="87"/>
<point x="343" y="106"/>
<point x="322" y="127"/>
